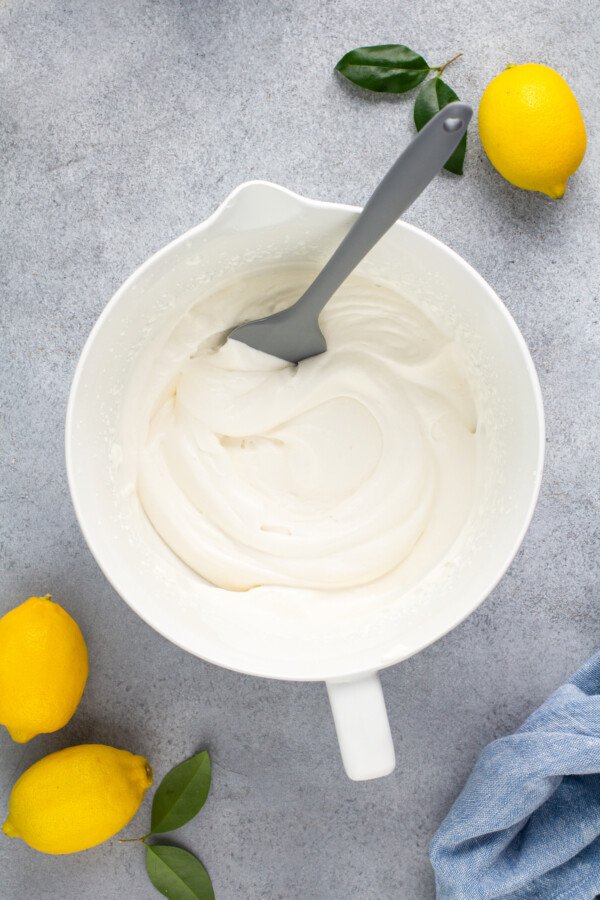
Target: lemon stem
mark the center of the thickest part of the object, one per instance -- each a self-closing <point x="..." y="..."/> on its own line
<point x="140" y="840"/>
<point x="440" y="69"/>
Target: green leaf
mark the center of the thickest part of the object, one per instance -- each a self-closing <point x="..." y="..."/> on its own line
<point x="177" y="874"/>
<point x="391" y="68"/>
<point x="181" y="794"/>
<point x="433" y="96"/>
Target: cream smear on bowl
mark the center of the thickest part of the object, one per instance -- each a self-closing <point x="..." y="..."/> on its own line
<point x="354" y="465"/>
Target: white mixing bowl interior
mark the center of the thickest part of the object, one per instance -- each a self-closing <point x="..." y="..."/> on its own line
<point x="256" y="632"/>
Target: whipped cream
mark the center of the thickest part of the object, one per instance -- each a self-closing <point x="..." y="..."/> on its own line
<point x="354" y="465"/>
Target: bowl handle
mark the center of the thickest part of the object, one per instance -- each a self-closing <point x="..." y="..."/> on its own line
<point x="362" y="727"/>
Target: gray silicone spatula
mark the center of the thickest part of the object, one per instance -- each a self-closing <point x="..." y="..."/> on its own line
<point x="294" y="334"/>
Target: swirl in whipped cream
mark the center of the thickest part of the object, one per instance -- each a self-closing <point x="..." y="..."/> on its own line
<point x="325" y="475"/>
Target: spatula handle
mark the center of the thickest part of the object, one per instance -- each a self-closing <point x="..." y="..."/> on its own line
<point x="408" y="177"/>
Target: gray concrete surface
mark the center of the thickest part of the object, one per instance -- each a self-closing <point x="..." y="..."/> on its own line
<point x="122" y="125"/>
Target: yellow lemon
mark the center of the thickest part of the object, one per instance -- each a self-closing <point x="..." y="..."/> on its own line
<point x="43" y="668"/>
<point x="76" y="798"/>
<point x="532" y="129"/>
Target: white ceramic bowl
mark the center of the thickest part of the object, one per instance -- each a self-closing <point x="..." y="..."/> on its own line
<point x="351" y="638"/>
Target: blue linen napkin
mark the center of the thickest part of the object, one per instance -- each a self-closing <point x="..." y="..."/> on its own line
<point x="527" y="823"/>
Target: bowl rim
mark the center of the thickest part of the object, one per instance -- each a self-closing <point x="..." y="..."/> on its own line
<point x="334" y="672"/>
